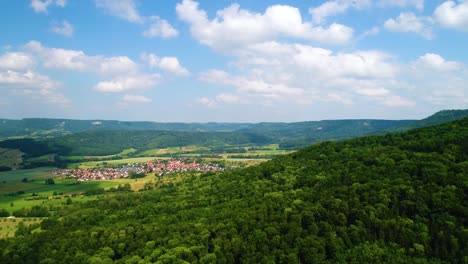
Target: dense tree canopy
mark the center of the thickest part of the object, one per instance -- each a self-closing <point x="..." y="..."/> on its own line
<point x="382" y="199"/>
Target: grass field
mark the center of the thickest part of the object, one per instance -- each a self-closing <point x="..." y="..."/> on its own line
<point x="44" y="194"/>
<point x="92" y="164"/>
<point x="173" y="151"/>
<point x="32" y="174"/>
<point x="8" y="226"/>
<point x="123" y="153"/>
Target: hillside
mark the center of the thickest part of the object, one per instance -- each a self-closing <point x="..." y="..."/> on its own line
<point x="142" y="136"/>
<point x="398" y="198"/>
<point x="46" y="127"/>
<point x="438" y="118"/>
<point x="301" y="134"/>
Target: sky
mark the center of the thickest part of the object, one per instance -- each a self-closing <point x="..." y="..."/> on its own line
<point x="224" y="61"/>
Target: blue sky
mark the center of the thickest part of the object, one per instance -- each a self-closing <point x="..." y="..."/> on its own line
<point x="224" y="61"/>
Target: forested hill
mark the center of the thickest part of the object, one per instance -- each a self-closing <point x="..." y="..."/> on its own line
<point x="435" y="119"/>
<point x="301" y="134"/>
<point x="46" y="127"/>
<point x="399" y="198"/>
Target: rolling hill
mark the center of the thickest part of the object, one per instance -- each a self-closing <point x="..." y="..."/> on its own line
<point x="398" y="198"/>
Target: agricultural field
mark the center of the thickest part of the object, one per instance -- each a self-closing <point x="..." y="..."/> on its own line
<point x="16" y="193"/>
<point x="27" y="188"/>
<point x="174" y="151"/>
<point x="103" y="163"/>
<point x="8" y="226"/>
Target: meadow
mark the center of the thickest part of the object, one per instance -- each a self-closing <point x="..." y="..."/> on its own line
<point x="8" y="226"/>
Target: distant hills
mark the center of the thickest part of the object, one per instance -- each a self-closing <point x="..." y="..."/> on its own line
<point x="62" y="138"/>
<point x="309" y="130"/>
<point x="46" y="127"/>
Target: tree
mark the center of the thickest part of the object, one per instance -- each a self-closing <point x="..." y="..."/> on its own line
<point x="49" y="181"/>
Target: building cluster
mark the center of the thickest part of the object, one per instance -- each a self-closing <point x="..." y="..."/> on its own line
<point x="159" y="167"/>
<point x="93" y="174"/>
<point x="170" y="166"/>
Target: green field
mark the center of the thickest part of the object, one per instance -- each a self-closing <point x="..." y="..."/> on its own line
<point x="36" y="192"/>
<point x="123" y="153"/>
<point x="174" y="151"/>
<point x="8" y="226"/>
<point x="92" y="164"/>
<point x="31" y="174"/>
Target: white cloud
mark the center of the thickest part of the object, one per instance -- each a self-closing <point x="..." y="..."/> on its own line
<point x="127" y="10"/>
<point x="280" y="74"/>
<point x="131" y="98"/>
<point x="418" y="4"/>
<point x="206" y="102"/>
<point x="453" y="14"/>
<point x="166" y="64"/>
<point x="61" y="3"/>
<point x="123" y="73"/>
<point x="30" y="83"/>
<point x="336" y="7"/>
<point x="16" y="61"/>
<point x="372" y="91"/>
<point x="230" y="99"/>
<point x="77" y="60"/>
<point x="124" y="9"/>
<point x="40" y="6"/>
<point x="435" y="63"/>
<point x="409" y="22"/>
<point x="397" y="101"/>
<point x="338" y="98"/>
<point x="128" y="83"/>
<point x="255" y="86"/>
<point x="27" y="79"/>
<point x="221" y="99"/>
<point x="160" y="28"/>
<point x="235" y="28"/>
<point x="65" y="29"/>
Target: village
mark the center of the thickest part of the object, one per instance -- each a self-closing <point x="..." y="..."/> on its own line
<point x="159" y="167"/>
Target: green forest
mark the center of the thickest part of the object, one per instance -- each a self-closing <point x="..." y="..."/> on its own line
<point x="398" y="198"/>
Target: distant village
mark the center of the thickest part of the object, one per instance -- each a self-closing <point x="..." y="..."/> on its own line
<point x="159" y="167"/>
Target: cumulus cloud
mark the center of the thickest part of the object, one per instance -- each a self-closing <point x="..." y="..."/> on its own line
<point x="235" y="28"/>
<point x="127" y="10"/>
<point x="30" y="83"/>
<point x="40" y="6"/>
<point x="17" y="75"/>
<point x="169" y="65"/>
<point x="255" y="86"/>
<point x="436" y="63"/>
<point x="123" y="9"/>
<point x="336" y="7"/>
<point x="131" y="98"/>
<point x="123" y="73"/>
<point x="160" y="28"/>
<point x="409" y="22"/>
<point x="282" y="74"/>
<point x="453" y="14"/>
<point x="16" y="61"/>
<point x="64" y="29"/>
<point x="77" y="60"/>
<point x="418" y="4"/>
<point x="221" y="99"/>
<point x="128" y="83"/>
